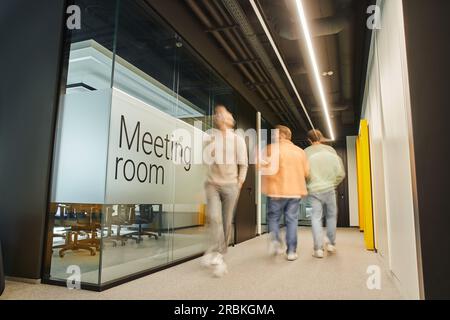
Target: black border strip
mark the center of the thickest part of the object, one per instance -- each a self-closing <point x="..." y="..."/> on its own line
<point x="80" y="84"/>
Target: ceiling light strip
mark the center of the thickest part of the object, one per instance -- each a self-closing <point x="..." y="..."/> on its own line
<point x="269" y="36"/>
<point x="306" y="33"/>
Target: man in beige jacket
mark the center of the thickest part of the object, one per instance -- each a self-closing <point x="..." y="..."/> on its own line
<point x="284" y="189"/>
<point x="227" y="170"/>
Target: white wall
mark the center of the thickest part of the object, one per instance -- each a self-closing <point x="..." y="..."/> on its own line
<point x="386" y="102"/>
<point x="352" y="180"/>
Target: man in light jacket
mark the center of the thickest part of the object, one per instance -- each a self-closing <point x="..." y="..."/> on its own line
<point x="326" y="173"/>
<point x="284" y="189"/>
<point x="226" y="173"/>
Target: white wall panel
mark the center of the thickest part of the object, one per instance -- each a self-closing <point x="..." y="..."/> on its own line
<point x="386" y="101"/>
<point x="352" y="180"/>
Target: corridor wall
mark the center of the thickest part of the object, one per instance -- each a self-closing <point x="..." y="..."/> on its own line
<point x="352" y="180"/>
<point x="385" y="108"/>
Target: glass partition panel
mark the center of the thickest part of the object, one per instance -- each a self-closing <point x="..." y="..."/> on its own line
<point x="200" y="89"/>
<point x="79" y="165"/>
<point x="127" y="194"/>
<point x="265" y="140"/>
<point x="141" y="175"/>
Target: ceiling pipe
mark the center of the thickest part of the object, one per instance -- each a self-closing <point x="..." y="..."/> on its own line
<point x="288" y="28"/>
<point x="335" y="108"/>
<point x="240" y="18"/>
<point x="231" y="53"/>
<point x="222" y="19"/>
<point x="262" y="75"/>
<point x="346" y="63"/>
<point x="339" y="25"/>
<point x="193" y="4"/>
<point x="318" y="27"/>
<point x="297" y="69"/>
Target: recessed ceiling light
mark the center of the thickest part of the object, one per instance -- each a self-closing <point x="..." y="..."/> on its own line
<point x="275" y="49"/>
<point x="312" y="55"/>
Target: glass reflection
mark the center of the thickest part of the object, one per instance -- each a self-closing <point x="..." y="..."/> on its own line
<point x="143" y="59"/>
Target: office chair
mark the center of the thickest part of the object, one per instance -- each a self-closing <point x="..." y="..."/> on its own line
<point x="60" y="216"/>
<point x="146" y="216"/>
<point x="84" y="225"/>
<point x="122" y="218"/>
<point x="92" y="223"/>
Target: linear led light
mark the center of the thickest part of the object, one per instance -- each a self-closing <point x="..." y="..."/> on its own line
<point x="269" y="36"/>
<point x="312" y="55"/>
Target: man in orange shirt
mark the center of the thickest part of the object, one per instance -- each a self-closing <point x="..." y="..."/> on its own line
<point x="284" y="189"/>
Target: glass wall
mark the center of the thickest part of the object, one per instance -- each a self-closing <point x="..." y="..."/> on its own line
<point x="127" y="196"/>
<point x="265" y="140"/>
<point x="75" y="226"/>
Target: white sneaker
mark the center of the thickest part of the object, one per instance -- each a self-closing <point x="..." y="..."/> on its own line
<point x="331" y="248"/>
<point x="217" y="259"/>
<point x="292" y="256"/>
<point x="220" y="270"/>
<point x="275" y="248"/>
<point x="211" y="259"/>
<point x="205" y="261"/>
<point x="318" y="253"/>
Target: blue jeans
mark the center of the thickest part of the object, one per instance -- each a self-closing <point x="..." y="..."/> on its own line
<point x="317" y="202"/>
<point x="276" y="207"/>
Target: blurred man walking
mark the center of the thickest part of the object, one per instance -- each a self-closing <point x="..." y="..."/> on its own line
<point x="326" y="173"/>
<point x="226" y="174"/>
<point x="284" y="190"/>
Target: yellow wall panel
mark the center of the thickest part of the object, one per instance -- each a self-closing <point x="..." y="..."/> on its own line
<point x="365" y="185"/>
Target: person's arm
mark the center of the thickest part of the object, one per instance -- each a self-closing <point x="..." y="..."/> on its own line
<point x="264" y="159"/>
<point x="305" y="165"/>
<point x="340" y="171"/>
<point x="242" y="160"/>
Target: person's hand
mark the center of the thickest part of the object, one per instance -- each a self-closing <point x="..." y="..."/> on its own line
<point x="240" y="185"/>
<point x="263" y="164"/>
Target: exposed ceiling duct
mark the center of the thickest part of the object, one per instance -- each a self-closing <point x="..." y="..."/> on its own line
<point x="339" y="36"/>
<point x="297" y="69"/>
<point x="227" y="33"/>
<point x="335" y="108"/>
<point x="338" y="24"/>
<point x="288" y="28"/>
<point x="240" y="18"/>
<point x="318" y="27"/>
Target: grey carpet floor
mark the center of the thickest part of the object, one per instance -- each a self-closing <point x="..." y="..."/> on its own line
<point x="252" y="275"/>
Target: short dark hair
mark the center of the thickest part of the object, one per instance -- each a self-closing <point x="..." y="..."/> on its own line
<point x="285" y="131"/>
<point x="315" y="135"/>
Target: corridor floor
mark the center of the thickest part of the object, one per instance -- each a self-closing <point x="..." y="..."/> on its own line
<point x="252" y="275"/>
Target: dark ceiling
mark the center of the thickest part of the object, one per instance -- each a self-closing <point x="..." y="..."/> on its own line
<point x="245" y="57"/>
<point x="340" y="39"/>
